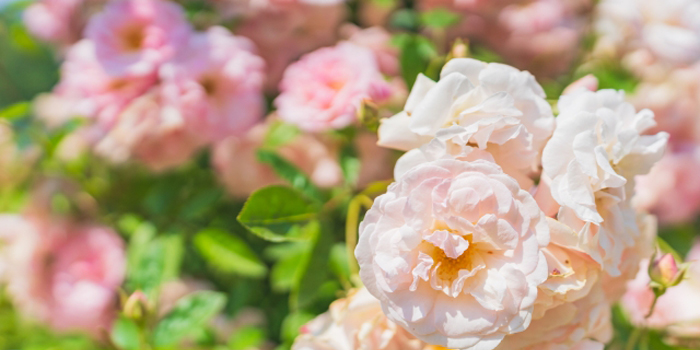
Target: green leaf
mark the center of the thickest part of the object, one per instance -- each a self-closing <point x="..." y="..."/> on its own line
<point x="152" y="261"/>
<point x="247" y="338"/>
<point x="228" y="253"/>
<point x="203" y="200"/>
<point x="126" y="334"/>
<point x="290" y="173"/>
<point x="285" y="272"/>
<point x="416" y="53"/>
<point x="339" y="263"/>
<point x="404" y="19"/>
<point x="16" y="111"/>
<point x="275" y="213"/>
<point x="279" y="134"/>
<point x="191" y="312"/>
<point x="439" y="18"/>
<point x="313" y="269"/>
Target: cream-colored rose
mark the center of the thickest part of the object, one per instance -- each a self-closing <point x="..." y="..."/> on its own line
<point x="492" y="107"/>
<point x="355" y="323"/>
<point x="453" y="251"/>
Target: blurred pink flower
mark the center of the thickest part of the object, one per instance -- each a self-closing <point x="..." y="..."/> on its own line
<point x="237" y="166"/>
<point x="324" y="89"/>
<point x="86" y="90"/>
<point x="671" y="190"/>
<point x="149" y="131"/>
<point x="675" y="100"/>
<point x="541" y="36"/>
<point x="218" y="86"/>
<point x="133" y="37"/>
<point x="650" y="37"/>
<point x="378" y="40"/>
<point x="285" y="29"/>
<point x="56" y="21"/>
<point x="63" y="274"/>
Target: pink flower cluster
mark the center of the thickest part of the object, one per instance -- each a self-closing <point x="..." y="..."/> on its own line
<point x="542" y="36"/>
<point x="461" y="255"/>
<point x="154" y="89"/>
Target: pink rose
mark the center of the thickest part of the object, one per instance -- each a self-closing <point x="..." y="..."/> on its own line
<point x="63" y="274"/>
<point x="284" y="30"/>
<point x="218" y="87"/>
<point x="324" y="88"/>
<point x="86" y="90"/>
<point x="150" y="131"/>
<point x="133" y="37"/>
<point x="671" y="190"/>
<point x="453" y="252"/>
<point x="236" y="163"/>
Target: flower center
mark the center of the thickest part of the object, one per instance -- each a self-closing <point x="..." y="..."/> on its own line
<point x="448" y="268"/>
<point x="209" y="85"/>
<point x="132" y="38"/>
<point x="449" y="264"/>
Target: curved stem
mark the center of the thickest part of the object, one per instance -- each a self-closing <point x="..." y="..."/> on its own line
<point x="634" y="338"/>
<point x="351" y="225"/>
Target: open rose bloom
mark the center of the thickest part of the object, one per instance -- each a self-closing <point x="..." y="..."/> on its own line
<point x="453" y="251"/>
<point x="350" y="175"/>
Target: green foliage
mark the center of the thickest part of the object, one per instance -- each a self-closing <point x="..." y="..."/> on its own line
<point x="228" y="253"/>
<point x="152" y="260"/>
<point x="126" y="334"/>
<point x="417" y="52"/>
<point x="278" y="213"/>
<point x="190" y="313"/>
<point x="439" y="18"/>
<point x="247" y="338"/>
<point x="290" y="172"/>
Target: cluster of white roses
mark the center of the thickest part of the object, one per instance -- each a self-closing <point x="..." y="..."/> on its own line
<point x="506" y="228"/>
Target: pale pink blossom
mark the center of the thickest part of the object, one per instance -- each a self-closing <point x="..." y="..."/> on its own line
<point x="133" y="37"/>
<point x="643" y="248"/>
<point x="584" y="324"/>
<point x="355" y="323"/>
<point x="453" y="252"/>
<point x="236" y="163"/>
<point x="597" y="149"/>
<point x="63" y="274"/>
<point x="285" y="30"/>
<point x="324" y="89"/>
<point x="475" y="105"/>
<point x="675" y="101"/>
<point x="671" y="190"/>
<point x="572" y="273"/>
<point x="588" y="82"/>
<point x="664" y="35"/>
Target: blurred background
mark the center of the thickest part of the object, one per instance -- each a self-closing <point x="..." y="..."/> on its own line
<point x="132" y="132"/>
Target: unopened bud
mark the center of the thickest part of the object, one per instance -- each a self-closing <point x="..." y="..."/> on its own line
<point x="136" y="306"/>
<point x="459" y="49"/>
<point x="665" y="271"/>
<point x="368" y="113"/>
